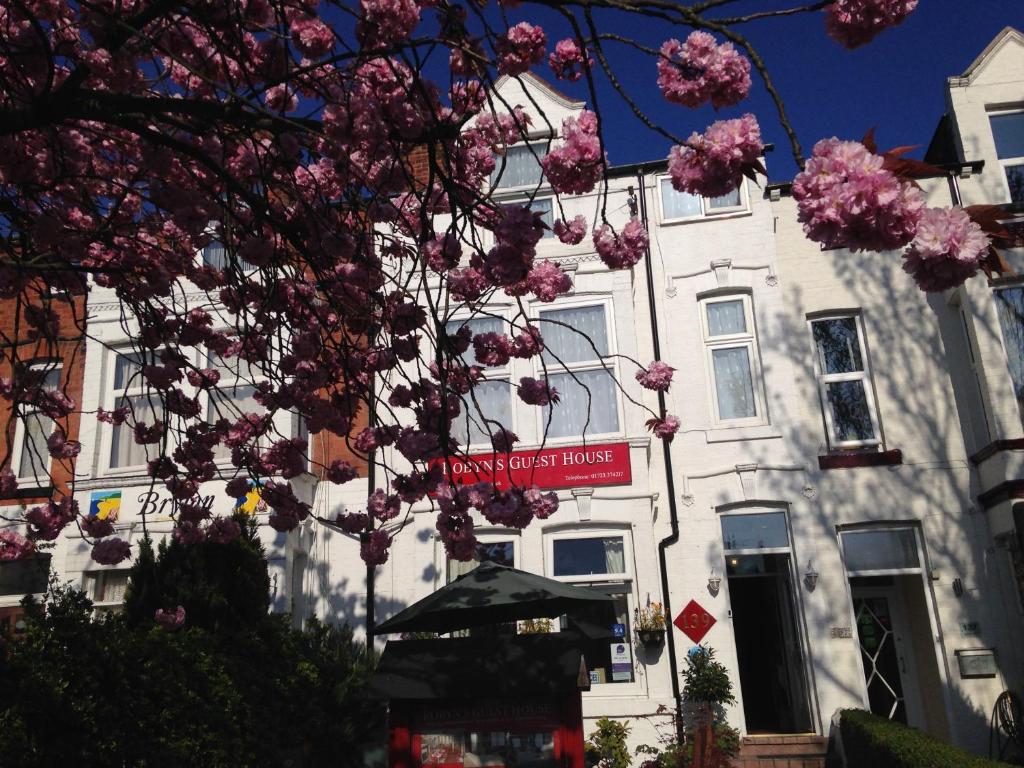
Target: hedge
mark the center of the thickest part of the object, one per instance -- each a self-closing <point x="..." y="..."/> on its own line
<point x="870" y="740"/>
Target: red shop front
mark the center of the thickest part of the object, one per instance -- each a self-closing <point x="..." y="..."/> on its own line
<point x="484" y="702"/>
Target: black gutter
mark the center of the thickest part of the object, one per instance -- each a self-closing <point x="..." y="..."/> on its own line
<point x="666" y="447"/>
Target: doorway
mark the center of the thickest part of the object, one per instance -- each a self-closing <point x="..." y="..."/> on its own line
<point x="768" y="644"/>
<point x="893" y="622"/>
<point x="766" y="623"/>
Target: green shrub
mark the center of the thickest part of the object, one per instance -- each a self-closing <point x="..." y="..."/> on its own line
<point x="880" y="743"/>
<point x="606" y="746"/>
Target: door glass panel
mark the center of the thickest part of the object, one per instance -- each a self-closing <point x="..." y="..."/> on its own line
<point x="763" y="530"/>
<point x="851" y="416"/>
<point x="881" y="662"/>
<point x="880" y="550"/>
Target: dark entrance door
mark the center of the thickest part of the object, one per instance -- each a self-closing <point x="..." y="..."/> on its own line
<point x="877" y="639"/>
<point x="767" y="644"/>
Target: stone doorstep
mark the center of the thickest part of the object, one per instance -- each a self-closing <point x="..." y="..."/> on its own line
<point x="781" y="748"/>
<point x="782" y="762"/>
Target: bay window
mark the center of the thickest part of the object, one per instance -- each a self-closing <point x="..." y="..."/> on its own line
<point x="844" y="382"/>
<point x="1008" y="133"/>
<point x="730" y="349"/>
<point x="31" y="458"/>
<point x="130" y="391"/>
<point x="576" y="341"/>
<point x="493" y="396"/>
<point x="681" y="206"/>
<point x="601" y="560"/>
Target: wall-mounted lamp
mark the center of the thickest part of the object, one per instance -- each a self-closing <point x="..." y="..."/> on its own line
<point x="810" y="577"/>
<point x="714" y="582"/>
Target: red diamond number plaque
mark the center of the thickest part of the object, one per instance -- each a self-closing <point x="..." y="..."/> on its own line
<point x="694" y="621"/>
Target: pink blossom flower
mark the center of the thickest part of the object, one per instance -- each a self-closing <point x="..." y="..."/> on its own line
<point x="238" y="487"/>
<point x="846" y="199"/>
<point x="492" y="348"/>
<point x="506" y="508"/>
<point x="466" y="284"/>
<point x="340" y="471"/>
<point x="97" y="527"/>
<point x="947" y="249"/>
<point x="187" y="533"/>
<point x="568" y="61"/>
<point x="658" y="376"/>
<point x="714" y="164"/>
<point x="383" y="506"/>
<point x="528" y="343"/>
<point x="547" y="281"/>
<point x="203" y="378"/>
<point x="571" y="232"/>
<point x="699" y="70"/>
<point x="665" y="428"/>
<point x="14" y="546"/>
<point x="386" y="22"/>
<point x="374" y="547"/>
<point x="575" y="167"/>
<point x="455" y="526"/>
<point x="620" y="251"/>
<point x="46" y="521"/>
<point x="223" y="530"/>
<point x="541" y="505"/>
<point x="536" y="391"/>
<point x="8" y="482"/>
<point x="442" y="253"/>
<point x="503" y="440"/>
<point x="111" y="551"/>
<point x="853" y="23"/>
<point x="520" y="48"/>
<point x="312" y="37"/>
<point x="170" y="620"/>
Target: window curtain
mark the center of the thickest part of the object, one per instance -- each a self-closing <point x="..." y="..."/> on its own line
<point x="726" y="318"/>
<point x="678" y="205"/>
<point x="614" y="556"/>
<point x="568" y="334"/>
<point x="728" y="200"/>
<point x="733" y="383"/>
<point x="519" y="167"/>
<point x="124" y="451"/>
<point x="1010" y="307"/>
<point x="493" y="401"/>
<point x="35" y="456"/>
<point x="575" y="407"/>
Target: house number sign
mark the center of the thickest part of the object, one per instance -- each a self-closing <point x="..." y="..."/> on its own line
<point x="694" y="621"/>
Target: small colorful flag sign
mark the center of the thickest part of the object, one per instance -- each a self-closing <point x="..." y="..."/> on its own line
<point x="252" y="503"/>
<point x="105" y="505"/>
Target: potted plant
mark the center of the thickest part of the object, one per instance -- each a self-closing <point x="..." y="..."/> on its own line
<point x="650" y="624"/>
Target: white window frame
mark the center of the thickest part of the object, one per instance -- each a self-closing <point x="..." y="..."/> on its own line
<point x="864" y="375"/>
<point x="20" y="433"/>
<point x="490" y="373"/>
<point x="1005" y="162"/>
<point x="706" y="212"/>
<point x="747" y="340"/>
<point x="628" y="585"/>
<point x="138" y="388"/>
<point x="608" y="363"/>
<point x="544" y="143"/>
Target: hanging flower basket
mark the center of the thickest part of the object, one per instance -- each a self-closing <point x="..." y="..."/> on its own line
<point x="651" y="638"/>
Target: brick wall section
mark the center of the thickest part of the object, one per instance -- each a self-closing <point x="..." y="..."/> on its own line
<point x="69" y="348"/>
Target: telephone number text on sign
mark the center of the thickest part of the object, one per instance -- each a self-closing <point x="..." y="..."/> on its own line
<point x="563" y="467"/>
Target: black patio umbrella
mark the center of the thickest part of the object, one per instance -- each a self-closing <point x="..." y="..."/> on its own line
<point x="490" y="594"/>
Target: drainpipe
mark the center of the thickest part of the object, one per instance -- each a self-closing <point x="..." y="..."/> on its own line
<point x="673" y="511"/>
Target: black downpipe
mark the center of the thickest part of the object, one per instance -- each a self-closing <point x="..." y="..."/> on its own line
<point x="673" y="512"/>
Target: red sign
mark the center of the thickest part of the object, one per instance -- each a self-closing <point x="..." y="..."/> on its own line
<point x="694" y="621"/>
<point x="565" y="467"/>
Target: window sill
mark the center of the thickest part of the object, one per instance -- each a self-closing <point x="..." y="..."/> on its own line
<point x="29" y="492"/>
<point x="706" y="218"/>
<point x="734" y="434"/>
<point x="890" y="458"/>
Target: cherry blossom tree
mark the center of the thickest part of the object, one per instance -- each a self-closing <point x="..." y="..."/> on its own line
<point x="341" y="153"/>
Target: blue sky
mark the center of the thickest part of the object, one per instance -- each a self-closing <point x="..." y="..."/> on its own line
<point x="895" y="83"/>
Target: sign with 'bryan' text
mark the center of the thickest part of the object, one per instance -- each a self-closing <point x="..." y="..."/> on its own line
<point x="564" y="467"/>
